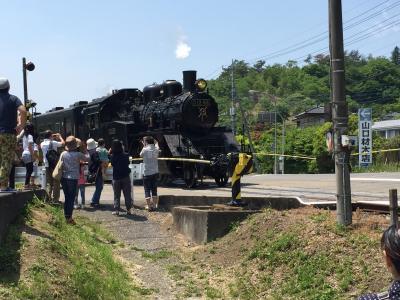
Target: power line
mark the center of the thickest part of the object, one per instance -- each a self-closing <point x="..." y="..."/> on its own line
<point x="324" y="35"/>
<point x="318" y="38"/>
<point x="359" y="36"/>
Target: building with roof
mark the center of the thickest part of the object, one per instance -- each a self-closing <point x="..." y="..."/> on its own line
<point x="313" y="116"/>
<point x="388" y="128"/>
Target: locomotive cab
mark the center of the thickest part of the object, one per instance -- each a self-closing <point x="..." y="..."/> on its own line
<point x="116" y="116"/>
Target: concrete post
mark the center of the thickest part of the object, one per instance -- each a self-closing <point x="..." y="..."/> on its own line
<point x="393" y="206"/>
<point x="339" y="112"/>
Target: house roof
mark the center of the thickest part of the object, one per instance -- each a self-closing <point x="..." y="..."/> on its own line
<point x="384" y="125"/>
<point x="319" y="110"/>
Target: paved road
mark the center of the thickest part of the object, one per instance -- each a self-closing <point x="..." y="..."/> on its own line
<point x="309" y="187"/>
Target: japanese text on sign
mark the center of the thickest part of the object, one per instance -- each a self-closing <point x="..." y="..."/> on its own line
<point x="365" y="136"/>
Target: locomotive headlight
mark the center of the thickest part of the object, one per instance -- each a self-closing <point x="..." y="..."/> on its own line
<point x="201" y="84"/>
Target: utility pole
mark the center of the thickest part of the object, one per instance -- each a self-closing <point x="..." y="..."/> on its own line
<point x="30" y="66"/>
<point x="283" y="145"/>
<point x="25" y="81"/>
<point x="233" y="96"/>
<point x="339" y="113"/>
<point x="275" y="141"/>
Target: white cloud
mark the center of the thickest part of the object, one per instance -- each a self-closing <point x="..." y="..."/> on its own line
<point x="183" y="49"/>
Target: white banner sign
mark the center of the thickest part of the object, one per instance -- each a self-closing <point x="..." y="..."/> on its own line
<point x="365" y="137"/>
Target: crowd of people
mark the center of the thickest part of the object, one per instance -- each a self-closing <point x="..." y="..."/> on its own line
<point x="66" y="169"/>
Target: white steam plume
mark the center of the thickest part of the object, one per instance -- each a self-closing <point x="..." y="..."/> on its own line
<point x="182" y="50"/>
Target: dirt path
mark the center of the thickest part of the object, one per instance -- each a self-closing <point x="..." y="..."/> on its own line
<point x="142" y="238"/>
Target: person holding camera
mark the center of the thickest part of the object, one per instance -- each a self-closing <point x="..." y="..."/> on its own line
<point x="121" y="179"/>
<point x="71" y="159"/>
<point x="150" y="153"/>
<point x="52" y="141"/>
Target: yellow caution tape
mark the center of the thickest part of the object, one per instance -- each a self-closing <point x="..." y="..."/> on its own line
<point x="204" y="161"/>
<point x="199" y="161"/>
<point x="378" y="151"/>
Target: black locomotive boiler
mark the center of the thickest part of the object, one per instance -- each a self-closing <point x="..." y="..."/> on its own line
<point x="181" y="118"/>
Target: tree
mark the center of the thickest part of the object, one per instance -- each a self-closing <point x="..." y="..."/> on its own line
<point x="396" y="56"/>
<point x="240" y="69"/>
<point x="308" y="59"/>
<point x="259" y="65"/>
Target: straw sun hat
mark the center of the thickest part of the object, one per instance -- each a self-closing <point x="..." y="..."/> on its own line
<point x="71" y="143"/>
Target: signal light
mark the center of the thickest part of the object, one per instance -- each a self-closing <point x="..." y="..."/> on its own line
<point x="30" y="66"/>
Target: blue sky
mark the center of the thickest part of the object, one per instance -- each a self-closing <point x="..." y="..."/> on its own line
<point x="82" y="49"/>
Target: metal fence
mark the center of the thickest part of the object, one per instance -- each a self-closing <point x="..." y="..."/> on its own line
<point x="39" y="173"/>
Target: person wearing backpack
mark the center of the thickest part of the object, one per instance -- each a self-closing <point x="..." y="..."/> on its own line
<point x="95" y="174"/>
<point x="49" y="148"/>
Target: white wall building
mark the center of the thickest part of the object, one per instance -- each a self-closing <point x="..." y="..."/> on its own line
<point x="387" y="129"/>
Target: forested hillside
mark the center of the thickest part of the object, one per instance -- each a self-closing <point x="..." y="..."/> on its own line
<point x="296" y="86"/>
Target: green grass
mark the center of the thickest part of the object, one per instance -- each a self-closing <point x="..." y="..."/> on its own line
<point x="320" y="217"/>
<point x="377" y="168"/>
<point x="304" y="274"/>
<point x="213" y="293"/>
<point x="234" y="226"/>
<point x="94" y="272"/>
<point x="177" y="271"/>
<point x="162" y="254"/>
<point x="153" y="255"/>
<point x="292" y="264"/>
<point x="77" y="262"/>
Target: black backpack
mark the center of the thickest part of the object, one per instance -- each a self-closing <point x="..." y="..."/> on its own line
<point x="52" y="156"/>
<point x="94" y="167"/>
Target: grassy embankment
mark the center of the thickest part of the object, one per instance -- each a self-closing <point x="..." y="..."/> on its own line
<point x="295" y="254"/>
<point x="44" y="258"/>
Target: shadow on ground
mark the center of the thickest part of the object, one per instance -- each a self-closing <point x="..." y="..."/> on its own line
<point x="10" y="259"/>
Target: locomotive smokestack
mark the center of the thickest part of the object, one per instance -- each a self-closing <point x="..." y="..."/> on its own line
<point x="189" y="79"/>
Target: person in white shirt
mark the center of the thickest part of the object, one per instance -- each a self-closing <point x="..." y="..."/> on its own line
<point x="53" y="142"/>
<point x="150" y="153"/>
<point x="27" y="154"/>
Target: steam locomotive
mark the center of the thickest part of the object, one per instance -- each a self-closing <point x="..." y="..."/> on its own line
<point x="181" y="118"/>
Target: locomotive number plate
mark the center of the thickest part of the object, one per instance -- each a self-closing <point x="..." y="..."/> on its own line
<point x="200" y="102"/>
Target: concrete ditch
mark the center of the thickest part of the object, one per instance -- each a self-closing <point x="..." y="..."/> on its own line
<point x="203" y="219"/>
<point x="11" y="206"/>
<point x="203" y="224"/>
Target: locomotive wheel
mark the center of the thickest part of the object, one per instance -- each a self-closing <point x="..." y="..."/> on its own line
<point x="189" y="175"/>
<point x="221" y="180"/>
